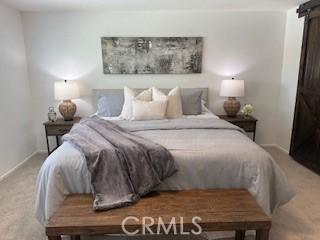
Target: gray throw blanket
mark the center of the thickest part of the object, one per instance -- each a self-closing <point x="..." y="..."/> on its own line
<point x="123" y="166"/>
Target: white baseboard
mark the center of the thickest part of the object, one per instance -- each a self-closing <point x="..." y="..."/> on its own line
<point x="275" y="145"/>
<point x="42" y="151"/>
<point x="282" y="149"/>
<point x="17" y="166"/>
<point x="268" y="145"/>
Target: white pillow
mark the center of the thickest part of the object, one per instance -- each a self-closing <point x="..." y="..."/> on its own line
<point x="129" y="96"/>
<point x="203" y="106"/>
<point x="206" y="112"/>
<point x="151" y="110"/>
<point x="174" y="107"/>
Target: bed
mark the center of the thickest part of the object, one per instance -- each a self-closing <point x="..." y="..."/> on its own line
<point x="217" y="157"/>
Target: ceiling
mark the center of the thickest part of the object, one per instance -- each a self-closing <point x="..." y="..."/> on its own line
<point x="65" y="5"/>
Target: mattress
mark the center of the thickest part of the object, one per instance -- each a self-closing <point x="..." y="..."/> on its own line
<point x="205" y="158"/>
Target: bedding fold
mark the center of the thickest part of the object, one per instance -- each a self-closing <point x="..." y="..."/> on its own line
<point x="178" y="124"/>
<point x="123" y="166"/>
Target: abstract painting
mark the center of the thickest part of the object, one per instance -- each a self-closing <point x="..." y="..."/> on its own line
<point x="151" y="55"/>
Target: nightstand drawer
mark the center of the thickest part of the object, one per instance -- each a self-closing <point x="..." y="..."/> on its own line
<point x="247" y="126"/>
<point x="247" y="123"/>
<point x="58" y="130"/>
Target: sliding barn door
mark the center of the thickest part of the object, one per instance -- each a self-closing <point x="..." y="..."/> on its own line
<point x="305" y="143"/>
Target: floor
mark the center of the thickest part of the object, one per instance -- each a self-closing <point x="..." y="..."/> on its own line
<point x="297" y="220"/>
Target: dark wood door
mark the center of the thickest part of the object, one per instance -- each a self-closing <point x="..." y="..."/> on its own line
<point x="305" y="142"/>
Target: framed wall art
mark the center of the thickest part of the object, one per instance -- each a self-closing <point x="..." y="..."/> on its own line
<point x="152" y="55"/>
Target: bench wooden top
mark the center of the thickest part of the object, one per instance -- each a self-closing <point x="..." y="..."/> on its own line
<point x="218" y="209"/>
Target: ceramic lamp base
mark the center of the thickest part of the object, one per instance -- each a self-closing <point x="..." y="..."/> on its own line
<point x="68" y="110"/>
<point x="232" y="106"/>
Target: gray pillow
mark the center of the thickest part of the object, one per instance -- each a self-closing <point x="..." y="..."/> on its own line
<point x="191" y="103"/>
<point x="110" y="105"/>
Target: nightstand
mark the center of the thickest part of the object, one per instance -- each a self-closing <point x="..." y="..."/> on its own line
<point x="58" y="129"/>
<point x="248" y="124"/>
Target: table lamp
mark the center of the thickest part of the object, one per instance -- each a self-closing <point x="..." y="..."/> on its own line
<point x="232" y="89"/>
<point x="65" y="91"/>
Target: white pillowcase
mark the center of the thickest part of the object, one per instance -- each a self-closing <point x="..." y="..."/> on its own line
<point x="151" y="110"/>
<point x="206" y="112"/>
<point x="129" y="96"/>
<point x="174" y="107"/>
<point x="203" y="107"/>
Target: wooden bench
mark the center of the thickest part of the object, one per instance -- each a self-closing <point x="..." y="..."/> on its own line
<point x="220" y="210"/>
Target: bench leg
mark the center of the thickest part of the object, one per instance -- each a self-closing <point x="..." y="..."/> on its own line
<point x="75" y="237"/>
<point x="240" y="235"/>
<point x="262" y="235"/>
<point x="54" y="237"/>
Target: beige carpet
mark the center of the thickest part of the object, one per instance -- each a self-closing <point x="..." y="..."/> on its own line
<point x="298" y="220"/>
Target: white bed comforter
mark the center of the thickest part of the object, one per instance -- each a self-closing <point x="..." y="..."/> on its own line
<point x="206" y="159"/>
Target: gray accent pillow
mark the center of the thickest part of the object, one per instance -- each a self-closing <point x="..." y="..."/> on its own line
<point x="191" y="103"/>
<point x="110" y="105"/>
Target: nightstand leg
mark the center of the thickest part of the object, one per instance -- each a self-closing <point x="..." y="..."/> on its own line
<point x="240" y="235"/>
<point x="54" y="237"/>
<point x="75" y="237"/>
<point x="254" y="134"/>
<point x="48" y="147"/>
<point x="262" y="235"/>
<point x="57" y="140"/>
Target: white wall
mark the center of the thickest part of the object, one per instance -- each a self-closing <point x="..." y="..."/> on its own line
<point x="289" y="82"/>
<point x="247" y="45"/>
<point x="16" y="127"/>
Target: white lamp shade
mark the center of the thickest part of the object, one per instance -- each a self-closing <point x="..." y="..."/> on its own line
<point x="232" y="88"/>
<point x="66" y="90"/>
